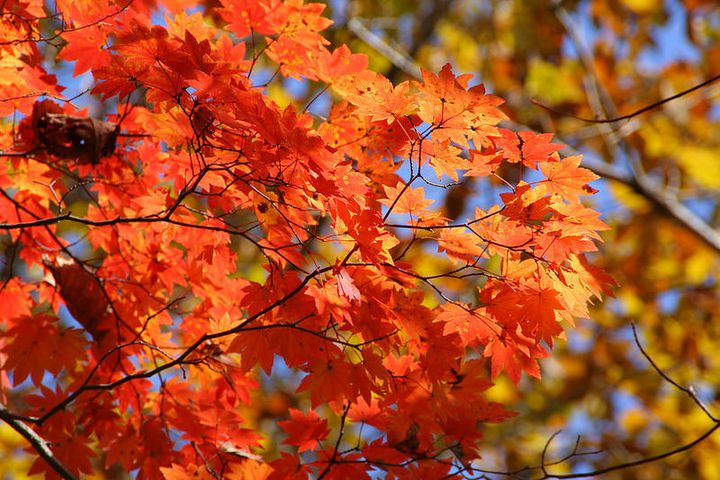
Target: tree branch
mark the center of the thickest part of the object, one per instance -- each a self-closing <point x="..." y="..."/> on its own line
<point x="636" y="463"/>
<point x="425" y="24"/>
<point x="398" y="59"/>
<point x="630" y="115"/>
<point x="41" y="446"/>
<point x="690" y="391"/>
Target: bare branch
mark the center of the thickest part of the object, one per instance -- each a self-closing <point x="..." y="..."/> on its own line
<point x="399" y="59"/>
<point x="637" y="112"/>
<point x="690" y="391"/>
<point x="41" y="446"/>
<point x="636" y="463"/>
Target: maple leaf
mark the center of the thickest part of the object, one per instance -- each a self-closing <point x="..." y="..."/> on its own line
<point x="14" y="300"/>
<point x="37" y="344"/>
<point x="445" y="159"/>
<point x="85" y="12"/>
<point x="404" y="199"/>
<point x="473" y="326"/>
<point x="505" y="357"/>
<point x="528" y="148"/>
<point x="576" y="219"/>
<point x="183" y="22"/>
<point x="375" y="97"/>
<point x="378" y="451"/>
<point x="249" y="470"/>
<point x="186" y="472"/>
<point x="557" y="246"/>
<point x="305" y="430"/>
<point x="85" y="47"/>
<point x="301" y="21"/>
<point x="341" y="62"/>
<point x="246" y="16"/>
<point x="345" y="285"/>
<point x="567" y="178"/>
<point x="461" y="245"/>
<point x="118" y="78"/>
<point x="74" y="452"/>
<point x="124" y="449"/>
<point x="526" y="203"/>
<point x="483" y="164"/>
<point x="289" y="467"/>
<point x="461" y="113"/>
<point x="324" y="383"/>
<point x="595" y="279"/>
<point x="444" y="95"/>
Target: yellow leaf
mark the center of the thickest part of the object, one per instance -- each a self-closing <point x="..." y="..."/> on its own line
<point x="628" y="198"/>
<point x="702" y="164"/>
<point x="552" y="84"/>
<point x="634" y="420"/>
<point x="279" y="94"/>
<point x="641" y="6"/>
<point x="699" y="265"/>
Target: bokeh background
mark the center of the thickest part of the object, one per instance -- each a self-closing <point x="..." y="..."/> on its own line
<point x="555" y="61"/>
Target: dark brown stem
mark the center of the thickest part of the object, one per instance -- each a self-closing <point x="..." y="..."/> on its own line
<point x="41" y="446"/>
<point x="637" y="112"/>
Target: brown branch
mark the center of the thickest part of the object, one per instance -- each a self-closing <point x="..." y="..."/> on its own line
<point x="690" y="391"/>
<point x="687" y="390"/>
<point x="341" y="433"/>
<point x="637" y="112"/>
<point x="398" y="59"/>
<point x="20" y="154"/>
<point x="41" y="446"/>
<point x="636" y="463"/>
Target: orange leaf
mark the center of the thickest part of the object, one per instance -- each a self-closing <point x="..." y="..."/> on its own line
<point x="345" y="285"/>
<point x="38" y="344"/>
<point x="404" y="199"/>
<point x="305" y="430"/>
<point x="528" y="148"/>
<point x="567" y="178"/>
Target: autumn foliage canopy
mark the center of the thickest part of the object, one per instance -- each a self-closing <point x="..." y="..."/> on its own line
<point x="167" y="259"/>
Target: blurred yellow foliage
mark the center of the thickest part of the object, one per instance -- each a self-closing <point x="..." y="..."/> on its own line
<point x="14" y="461"/>
<point x="553" y="84"/>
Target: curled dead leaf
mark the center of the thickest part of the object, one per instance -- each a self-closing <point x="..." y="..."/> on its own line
<point x="82" y="294"/>
<point x="203" y="120"/>
<point x="69" y="136"/>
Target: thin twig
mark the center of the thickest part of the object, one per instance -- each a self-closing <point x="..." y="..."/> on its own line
<point x="690" y="391"/>
<point x="631" y="115"/>
<point x="636" y="463"/>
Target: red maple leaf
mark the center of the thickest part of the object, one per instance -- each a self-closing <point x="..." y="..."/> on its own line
<point x="85" y="48"/>
<point x="38" y="344"/>
<point x="305" y="430"/>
